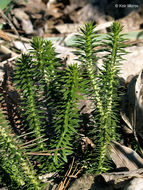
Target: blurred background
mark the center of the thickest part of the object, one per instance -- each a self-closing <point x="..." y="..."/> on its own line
<point x="48" y="17"/>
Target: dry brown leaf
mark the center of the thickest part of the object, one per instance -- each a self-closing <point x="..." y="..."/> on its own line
<point x="124" y="157"/>
<point x="88" y="141"/>
<point x="132" y="109"/>
<point x="139" y="105"/>
<point x="121" y="179"/>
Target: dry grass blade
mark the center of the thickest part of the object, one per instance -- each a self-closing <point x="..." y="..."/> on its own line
<point x="29" y="145"/>
<point x="44" y="153"/>
<point x="40" y="154"/>
<point x="31" y="141"/>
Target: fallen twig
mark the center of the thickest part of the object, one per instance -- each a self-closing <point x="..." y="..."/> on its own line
<point x="5" y="50"/>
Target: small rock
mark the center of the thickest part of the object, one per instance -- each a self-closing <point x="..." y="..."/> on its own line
<point x="84" y="183"/>
<point x="133" y="62"/>
<point x="89" y="182"/>
<point x="135" y="184"/>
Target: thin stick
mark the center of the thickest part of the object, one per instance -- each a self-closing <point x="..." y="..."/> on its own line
<point x="69" y="171"/>
<point x="10" y="59"/>
<point x="79" y="171"/>
<point x="70" y="177"/>
<point x="61" y="185"/>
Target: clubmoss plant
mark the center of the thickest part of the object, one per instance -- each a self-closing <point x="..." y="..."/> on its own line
<point x="49" y="97"/>
<point x="67" y="117"/>
<point x="25" y="82"/>
<point x="104" y="85"/>
<point x="86" y="44"/>
<point x="13" y="161"/>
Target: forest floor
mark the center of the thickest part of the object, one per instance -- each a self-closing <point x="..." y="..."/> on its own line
<point x="59" y="21"/>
